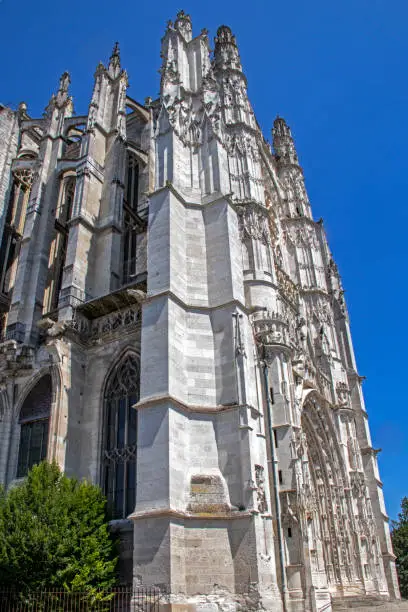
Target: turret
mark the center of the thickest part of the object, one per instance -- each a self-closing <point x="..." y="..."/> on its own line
<point x="289" y="170"/>
<point x="226" y="54"/>
<point x="283" y="142"/>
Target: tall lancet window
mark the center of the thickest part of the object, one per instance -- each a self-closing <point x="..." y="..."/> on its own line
<point x="34" y="421"/>
<point x="130" y="218"/>
<point x="13" y="230"/>
<point x="59" y="244"/>
<point x="120" y="437"/>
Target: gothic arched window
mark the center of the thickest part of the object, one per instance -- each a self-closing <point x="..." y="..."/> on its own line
<point x="34" y="421"/>
<point x="120" y="436"/>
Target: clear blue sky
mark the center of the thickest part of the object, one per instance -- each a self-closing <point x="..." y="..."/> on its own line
<point x="338" y="72"/>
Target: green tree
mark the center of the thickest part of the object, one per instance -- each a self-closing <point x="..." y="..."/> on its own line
<point x="54" y="535"/>
<point x="400" y="543"/>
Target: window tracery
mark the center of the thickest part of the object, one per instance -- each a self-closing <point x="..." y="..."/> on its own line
<point x="130" y="218"/>
<point x="120" y="437"/>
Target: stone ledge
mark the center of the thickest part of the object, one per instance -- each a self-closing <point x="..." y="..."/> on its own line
<point x="181" y="514"/>
<point x="160" y="399"/>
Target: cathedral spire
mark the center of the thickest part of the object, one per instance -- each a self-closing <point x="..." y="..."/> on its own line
<point x="114" y="61"/>
<point x="283" y="142"/>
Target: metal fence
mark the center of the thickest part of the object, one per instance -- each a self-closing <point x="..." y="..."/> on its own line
<point x="124" y="599"/>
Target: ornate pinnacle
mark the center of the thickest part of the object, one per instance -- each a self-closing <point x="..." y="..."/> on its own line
<point x="183" y="25"/>
<point x="226" y="53"/>
<point x="115" y="57"/>
<point x="283" y="142"/>
<point x="64" y="82"/>
<point x="114" y="60"/>
<point x="225" y="36"/>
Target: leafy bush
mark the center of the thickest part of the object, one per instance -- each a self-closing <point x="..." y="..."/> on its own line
<point x="400" y="543"/>
<point x="54" y="535"/>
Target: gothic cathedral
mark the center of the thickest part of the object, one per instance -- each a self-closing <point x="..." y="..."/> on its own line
<point x="173" y="328"/>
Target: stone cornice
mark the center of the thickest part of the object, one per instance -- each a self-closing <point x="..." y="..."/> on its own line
<point x="154" y="400"/>
<point x="170" y="294"/>
<point x="172" y="513"/>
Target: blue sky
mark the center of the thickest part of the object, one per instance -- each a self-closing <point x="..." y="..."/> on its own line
<point x="338" y="72"/>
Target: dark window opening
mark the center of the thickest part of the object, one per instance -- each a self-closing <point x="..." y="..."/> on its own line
<point x="275" y="435"/>
<point x="271" y="394"/>
<point x="289" y="532"/>
<point x="280" y="477"/>
<point x="12" y="233"/>
<point x="120" y="446"/>
<point x="34" y="423"/>
<point x="131" y="219"/>
<point x="60" y="243"/>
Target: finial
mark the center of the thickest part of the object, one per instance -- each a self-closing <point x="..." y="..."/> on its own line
<point x="114" y="61"/>
<point x="182" y="15"/>
<point x="115" y="52"/>
<point x="64" y="82"/>
<point x="183" y="25"/>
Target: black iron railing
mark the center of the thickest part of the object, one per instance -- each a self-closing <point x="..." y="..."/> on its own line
<point x="122" y="599"/>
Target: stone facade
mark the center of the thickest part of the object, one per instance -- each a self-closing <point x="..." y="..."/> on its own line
<point x="160" y="263"/>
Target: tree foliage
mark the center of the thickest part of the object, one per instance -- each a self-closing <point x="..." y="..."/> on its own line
<point x="400" y="544"/>
<point x="54" y="534"/>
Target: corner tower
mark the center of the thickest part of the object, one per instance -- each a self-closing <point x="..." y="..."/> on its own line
<point x="203" y="520"/>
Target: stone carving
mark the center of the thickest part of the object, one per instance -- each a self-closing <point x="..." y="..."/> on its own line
<point x="260" y="491"/>
<point x="287" y="287"/>
<point x="343" y="394"/>
<point x="301" y="237"/>
<point x="253" y="223"/>
<point x="25" y="176"/>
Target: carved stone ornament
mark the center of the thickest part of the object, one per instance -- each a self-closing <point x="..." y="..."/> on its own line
<point x="25" y="176"/>
<point x="253" y="223"/>
<point x="343" y="394"/>
<point x="301" y="237"/>
<point x="114" y="322"/>
<point x="187" y="112"/>
<point x="260" y="489"/>
<point x="287" y="287"/>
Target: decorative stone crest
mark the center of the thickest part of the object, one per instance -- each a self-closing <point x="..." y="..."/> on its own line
<point x="343" y="394"/>
<point x="253" y="223"/>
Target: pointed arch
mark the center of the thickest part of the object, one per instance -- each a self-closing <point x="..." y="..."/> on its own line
<point x="34" y="419"/>
<point x="119" y="434"/>
<point x="327" y="487"/>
